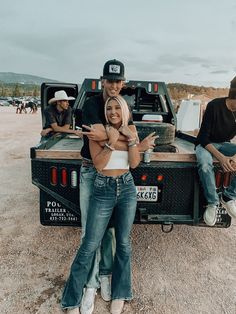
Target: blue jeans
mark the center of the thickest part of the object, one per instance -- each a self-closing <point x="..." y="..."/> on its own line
<point x="207" y="175"/>
<point x="103" y="259"/>
<point x="108" y="193"/>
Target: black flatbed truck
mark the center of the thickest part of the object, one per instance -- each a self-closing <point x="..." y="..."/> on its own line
<point x="168" y="187"/>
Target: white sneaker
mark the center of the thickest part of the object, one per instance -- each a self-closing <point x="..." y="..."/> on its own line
<point x="230" y="207"/>
<point x="210" y="215"/>
<point x="117" y="306"/>
<point x="73" y="311"/>
<point x="105" y="282"/>
<point x="87" y="303"/>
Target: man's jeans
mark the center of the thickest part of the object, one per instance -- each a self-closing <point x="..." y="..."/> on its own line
<point x="109" y="193"/>
<point x="105" y="253"/>
<point x="207" y="175"/>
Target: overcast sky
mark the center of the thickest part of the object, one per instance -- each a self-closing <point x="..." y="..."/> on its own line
<point x="185" y="41"/>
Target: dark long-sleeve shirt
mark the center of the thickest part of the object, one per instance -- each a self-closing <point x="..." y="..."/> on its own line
<point x="218" y="124"/>
<point x="52" y="115"/>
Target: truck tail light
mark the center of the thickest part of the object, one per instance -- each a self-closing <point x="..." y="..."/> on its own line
<point x="144" y="177"/>
<point x="218" y="178"/>
<point x="226" y="181"/>
<point x="53" y="176"/>
<point x="93" y="84"/>
<point x="74" y="179"/>
<point x="63" y="177"/>
<point x="160" y="177"/>
<point x="155" y="87"/>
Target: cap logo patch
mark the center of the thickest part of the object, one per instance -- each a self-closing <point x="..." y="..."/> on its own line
<point x="114" y="68"/>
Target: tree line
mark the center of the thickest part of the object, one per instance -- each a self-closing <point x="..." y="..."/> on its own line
<point x="177" y="91"/>
<point x="19" y="90"/>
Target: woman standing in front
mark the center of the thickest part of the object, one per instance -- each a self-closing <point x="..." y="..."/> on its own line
<point x="113" y="188"/>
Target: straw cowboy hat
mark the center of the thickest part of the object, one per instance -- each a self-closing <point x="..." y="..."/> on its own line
<point x="60" y="95"/>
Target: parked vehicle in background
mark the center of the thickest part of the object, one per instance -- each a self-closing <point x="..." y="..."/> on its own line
<point x="4" y="103"/>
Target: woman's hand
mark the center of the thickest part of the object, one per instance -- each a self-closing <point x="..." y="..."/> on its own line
<point x="125" y="130"/>
<point x="113" y="135"/>
<point x="148" y="142"/>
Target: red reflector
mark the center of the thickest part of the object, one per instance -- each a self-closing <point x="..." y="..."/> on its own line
<point x="54" y="175"/>
<point x="226" y="180"/>
<point x="156" y="87"/>
<point x="93" y="84"/>
<point x="144" y="177"/>
<point x="160" y="178"/>
<point x="218" y="178"/>
<point x="63" y="177"/>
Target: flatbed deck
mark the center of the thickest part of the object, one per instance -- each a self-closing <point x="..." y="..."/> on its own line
<point x="69" y="147"/>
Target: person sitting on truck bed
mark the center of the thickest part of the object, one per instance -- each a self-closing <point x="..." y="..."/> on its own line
<point x="217" y="129"/>
<point x="113" y="190"/>
<point x="58" y="115"/>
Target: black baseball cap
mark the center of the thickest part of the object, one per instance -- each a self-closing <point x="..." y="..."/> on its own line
<point x="114" y="70"/>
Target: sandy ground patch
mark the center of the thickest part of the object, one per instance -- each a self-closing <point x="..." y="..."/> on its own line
<point x="190" y="270"/>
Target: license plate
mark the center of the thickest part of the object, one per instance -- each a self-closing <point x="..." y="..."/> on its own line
<point x="147" y="193"/>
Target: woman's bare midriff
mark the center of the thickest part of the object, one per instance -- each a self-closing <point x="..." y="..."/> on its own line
<point x="114" y="172"/>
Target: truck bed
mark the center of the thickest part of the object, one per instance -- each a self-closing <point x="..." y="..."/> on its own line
<point x="69" y="147"/>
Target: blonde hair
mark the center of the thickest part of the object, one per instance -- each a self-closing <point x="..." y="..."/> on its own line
<point x="124" y="109"/>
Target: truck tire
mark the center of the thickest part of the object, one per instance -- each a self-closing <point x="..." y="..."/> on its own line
<point x="166" y="131"/>
<point x="165" y="149"/>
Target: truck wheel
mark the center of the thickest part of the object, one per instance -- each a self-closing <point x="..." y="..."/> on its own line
<point x="166" y="131"/>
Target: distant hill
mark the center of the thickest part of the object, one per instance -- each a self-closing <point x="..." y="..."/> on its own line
<point x="180" y="91"/>
<point x="13" y="78"/>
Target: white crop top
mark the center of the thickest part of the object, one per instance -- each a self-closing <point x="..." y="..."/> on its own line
<point x="118" y="160"/>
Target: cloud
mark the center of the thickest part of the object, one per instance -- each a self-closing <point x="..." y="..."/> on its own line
<point x="219" y="72"/>
<point x="72" y="41"/>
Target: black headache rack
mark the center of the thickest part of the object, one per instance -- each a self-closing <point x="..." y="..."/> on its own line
<point x="143" y="97"/>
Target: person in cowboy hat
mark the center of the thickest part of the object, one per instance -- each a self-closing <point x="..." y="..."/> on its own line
<point x="217" y="129"/>
<point x="58" y="115"/>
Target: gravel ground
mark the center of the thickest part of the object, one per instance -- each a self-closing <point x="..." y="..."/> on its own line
<point x="190" y="270"/>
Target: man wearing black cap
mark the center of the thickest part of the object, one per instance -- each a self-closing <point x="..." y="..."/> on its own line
<point x="93" y="119"/>
<point x="217" y="129"/>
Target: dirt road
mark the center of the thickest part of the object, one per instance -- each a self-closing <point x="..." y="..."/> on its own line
<point x="191" y="270"/>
